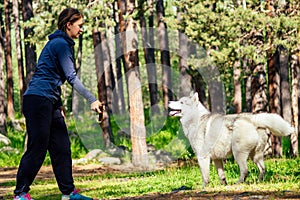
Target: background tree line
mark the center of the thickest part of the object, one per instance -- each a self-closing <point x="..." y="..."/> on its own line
<point x="254" y="45"/>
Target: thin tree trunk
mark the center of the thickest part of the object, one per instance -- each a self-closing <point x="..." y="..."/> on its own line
<point x="105" y="125"/>
<point x="122" y="29"/>
<point x="107" y="70"/>
<point x="274" y="89"/>
<point x="119" y="107"/>
<point x="247" y="82"/>
<point x="275" y="98"/>
<point x="165" y="55"/>
<point x="237" y="88"/>
<point x="19" y="49"/>
<point x="295" y="103"/>
<point x="274" y="92"/>
<point x="8" y="59"/>
<point x="2" y="81"/>
<point x="30" y="54"/>
<point x="151" y="56"/>
<point x="150" y="62"/>
<point x="285" y="87"/>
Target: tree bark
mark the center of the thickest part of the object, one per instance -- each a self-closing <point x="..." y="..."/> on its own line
<point x="237" y="88"/>
<point x="258" y="89"/>
<point x="105" y="125"/>
<point x="107" y="71"/>
<point x="30" y="54"/>
<point x="165" y="54"/>
<point x="119" y="105"/>
<point x="136" y="108"/>
<point x="8" y="59"/>
<point x="285" y="86"/>
<point x="295" y="104"/>
<point x="183" y="51"/>
<point x="148" y="44"/>
<point x="19" y="50"/>
<point x="2" y="82"/>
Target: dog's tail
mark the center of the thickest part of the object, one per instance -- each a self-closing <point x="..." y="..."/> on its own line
<point x="274" y="122"/>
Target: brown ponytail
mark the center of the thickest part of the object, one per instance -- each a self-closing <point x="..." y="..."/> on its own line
<point x="68" y="15"/>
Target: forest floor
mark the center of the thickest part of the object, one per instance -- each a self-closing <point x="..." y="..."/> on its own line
<point x="8" y="174"/>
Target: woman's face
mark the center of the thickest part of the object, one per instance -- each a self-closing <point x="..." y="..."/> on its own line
<point x="74" y="30"/>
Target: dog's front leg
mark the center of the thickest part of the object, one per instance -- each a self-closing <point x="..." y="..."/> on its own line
<point x="204" y="167"/>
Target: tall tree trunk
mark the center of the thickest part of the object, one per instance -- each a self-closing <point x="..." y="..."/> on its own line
<point x="148" y="45"/>
<point x="274" y="88"/>
<point x="8" y="59"/>
<point x="2" y="81"/>
<point x="105" y="125"/>
<point x="185" y="78"/>
<point x="285" y="87"/>
<point x="274" y="92"/>
<point x="137" y="119"/>
<point x="30" y="54"/>
<point x="107" y="70"/>
<point x="165" y="54"/>
<point x="119" y="106"/>
<point x="120" y="51"/>
<point x="237" y="87"/>
<point x="275" y="97"/>
<point x="151" y="56"/>
<point x="216" y="96"/>
<point x="19" y="50"/>
<point x="295" y="104"/>
<point x="247" y="82"/>
<point x="258" y="89"/>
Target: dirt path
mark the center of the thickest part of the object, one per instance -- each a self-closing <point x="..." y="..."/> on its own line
<point x="7" y="176"/>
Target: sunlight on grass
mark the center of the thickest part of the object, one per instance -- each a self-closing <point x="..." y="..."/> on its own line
<point x="278" y="178"/>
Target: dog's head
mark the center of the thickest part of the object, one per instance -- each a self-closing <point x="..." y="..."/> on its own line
<point x="184" y="106"/>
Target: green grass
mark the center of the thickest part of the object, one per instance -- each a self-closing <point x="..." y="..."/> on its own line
<point x="282" y="174"/>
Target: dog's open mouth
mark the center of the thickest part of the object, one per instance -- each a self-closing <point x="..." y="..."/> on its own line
<point x="174" y="112"/>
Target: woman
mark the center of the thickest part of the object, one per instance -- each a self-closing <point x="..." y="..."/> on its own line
<point x="42" y="108"/>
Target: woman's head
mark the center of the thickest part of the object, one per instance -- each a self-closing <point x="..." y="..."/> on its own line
<point x="70" y="20"/>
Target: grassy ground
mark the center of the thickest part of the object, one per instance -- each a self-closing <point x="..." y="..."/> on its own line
<point x="282" y="181"/>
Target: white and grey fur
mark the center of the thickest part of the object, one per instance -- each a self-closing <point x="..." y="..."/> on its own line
<point x="216" y="136"/>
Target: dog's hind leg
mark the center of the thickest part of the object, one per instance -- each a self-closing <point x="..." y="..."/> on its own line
<point x="258" y="153"/>
<point x="241" y="159"/>
<point x="220" y="170"/>
<point x="258" y="159"/>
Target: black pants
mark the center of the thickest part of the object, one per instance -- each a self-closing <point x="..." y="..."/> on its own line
<point x="46" y="130"/>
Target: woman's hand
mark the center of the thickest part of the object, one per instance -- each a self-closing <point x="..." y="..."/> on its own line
<point x="96" y="106"/>
<point x="63" y="111"/>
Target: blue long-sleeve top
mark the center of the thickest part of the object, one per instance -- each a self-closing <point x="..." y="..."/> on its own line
<point x="55" y="66"/>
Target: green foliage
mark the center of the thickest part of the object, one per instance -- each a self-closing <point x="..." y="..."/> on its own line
<point x="17" y="138"/>
<point x="12" y="158"/>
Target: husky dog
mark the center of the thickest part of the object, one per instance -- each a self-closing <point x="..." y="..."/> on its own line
<point x="216" y="136"/>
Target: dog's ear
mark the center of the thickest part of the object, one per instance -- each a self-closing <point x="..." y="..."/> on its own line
<point x="195" y="97"/>
<point x="191" y="93"/>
